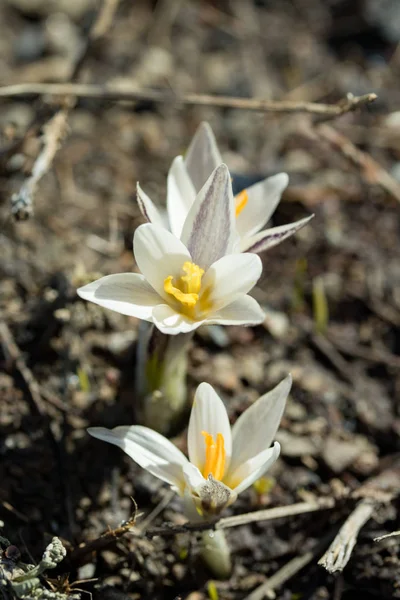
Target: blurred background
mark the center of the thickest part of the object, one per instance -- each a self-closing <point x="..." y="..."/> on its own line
<point x="331" y="292"/>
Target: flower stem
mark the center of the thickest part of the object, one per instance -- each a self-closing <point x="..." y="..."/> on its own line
<point x="215" y="553"/>
<point x="161" y="378"/>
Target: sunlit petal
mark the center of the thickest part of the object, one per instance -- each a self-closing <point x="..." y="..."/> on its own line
<point x="202" y="156"/>
<point x="168" y="321"/>
<point x="245" y="475"/>
<point x="208" y="415"/>
<point x="158" y="254"/>
<point x="149" y="449"/>
<point x="148" y="209"/>
<point x="243" y="311"/>
<point x="256" y="427"/>
<point x="180" y="195"/>
<point x="126" y="293"/>
<point x="264" y="240"/>
<point x="263" y="198"/>
<point x="209" y="231"/>
<point x="230" y="277"/>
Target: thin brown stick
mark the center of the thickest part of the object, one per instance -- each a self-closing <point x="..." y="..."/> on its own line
<point x="15" y="361"/>
<point x="372" y="171"/>
<point x="53" y="132"/>
<point x="268" y="514"/>
<point x="107" y="538"/>
<point x="129" y="93"/>
<point x="55" y="129"/>
<point x="267" y="589"/>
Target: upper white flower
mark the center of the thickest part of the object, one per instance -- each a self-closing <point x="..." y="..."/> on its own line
<point x="253" y="206"/>
<point x="187" y="282"/>
<point x="223" y="462"/>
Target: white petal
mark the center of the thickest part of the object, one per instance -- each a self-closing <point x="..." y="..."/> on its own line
<point x="149" y="211"/>
<point x="209" y="231"/>
<point x="149" y="449"/>
<point x="209" y="415"/>
<point x="264" y="240"/>
<point x="231" y="277"/>
<point x="126" y="293"/>
<point x="202" y="156"/>
<point x="253" y="469"/>
<point x="180" y="195"/>
<point x="243" y="311"/>
<point x="263" y="198"/>
<point x="158" y="254"/>
<point x="192" y="475"/>
<point x="168" y="321"/>
<point x="256" y="427"/>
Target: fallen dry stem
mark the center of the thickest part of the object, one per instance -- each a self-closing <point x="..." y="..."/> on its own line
<point x="129" y="93"/>
<point x="268" y="514"/>
<point x="53" y="133"/>
<point x="372" y="171"/>
<point x="267" y="589"/>
<point x="338" y="554"/>
<point x="55" y="129"/>
<point x="376" y="491"/>
<point x="107" y="538"/>
<point x="15" y="361"/>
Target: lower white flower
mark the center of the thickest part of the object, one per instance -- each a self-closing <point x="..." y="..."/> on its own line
<point x="180" y="290"/>
<point x="223" y="462"/>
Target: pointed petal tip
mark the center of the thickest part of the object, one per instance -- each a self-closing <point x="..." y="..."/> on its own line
<point x="277" y="450"/>
<point x="98" y="432"/>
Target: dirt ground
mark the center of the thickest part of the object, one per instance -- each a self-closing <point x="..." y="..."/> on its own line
<point x="332" y="292"/>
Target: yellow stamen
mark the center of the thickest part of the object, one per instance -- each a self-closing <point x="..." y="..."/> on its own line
<point x="187" y="287"/>
<point x="193" y="277"/>
<point x="241" y="201"/>
<point x="215" y="456"/>
<point x="186" y="299"/>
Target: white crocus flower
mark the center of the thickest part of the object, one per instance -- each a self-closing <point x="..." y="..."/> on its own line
<point x="186" y="283"/>
<point x="254" y="206"/>
<point x="223" y="461"/>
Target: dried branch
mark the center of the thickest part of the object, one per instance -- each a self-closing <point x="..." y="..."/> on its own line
<point x="107" y="538"/>
<point x="267" y="589"/>
<point x="53" y="132"/>
<point x="278" y="512"/>
<point x="129" y="93"/>
<point x="55" y="129"/>
<point x="15" y="361"/>
<point x="338" y="554"/>
<point x="372" y="171"/>
<point x="387" y="535"/>
<point x="373" y="493"/>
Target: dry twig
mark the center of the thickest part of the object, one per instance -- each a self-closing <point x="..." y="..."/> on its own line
<point x="338" y="554"/>
<point x="387" y="535"/>
<point x="268" y="514"/>
<point x="267" y="589"/>
<point x="53" y="133"/>
<point x="129" y="93"/>
<point x="55" y="129"/>
<point x="15" y="361"/>
<point x="107" y="538"/>
<point x="373" y="493"/>
<point x="372" y="171"/>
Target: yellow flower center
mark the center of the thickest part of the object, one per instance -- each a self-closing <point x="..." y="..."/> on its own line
<point x="215" y="456"/>
<point x="186" y="289"/>
<point x="240" y="202"/>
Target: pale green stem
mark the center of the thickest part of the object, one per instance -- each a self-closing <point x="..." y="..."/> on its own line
<point x="161" y="372"/>
<point x="215" y="553"/>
